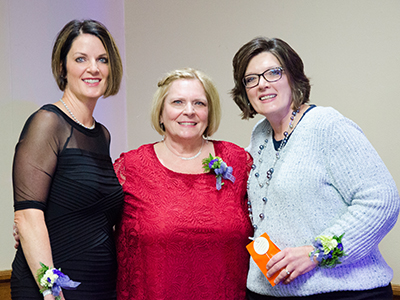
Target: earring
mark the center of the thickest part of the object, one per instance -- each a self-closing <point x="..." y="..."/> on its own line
<point x="205" y="133"/>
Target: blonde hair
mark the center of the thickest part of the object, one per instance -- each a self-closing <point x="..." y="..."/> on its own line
<point x="214" y="106"/>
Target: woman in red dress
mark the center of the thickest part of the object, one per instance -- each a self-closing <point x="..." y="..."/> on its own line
<point x="182" y="235"/>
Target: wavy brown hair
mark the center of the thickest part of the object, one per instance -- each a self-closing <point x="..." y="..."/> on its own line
<point x="288" y="58"/>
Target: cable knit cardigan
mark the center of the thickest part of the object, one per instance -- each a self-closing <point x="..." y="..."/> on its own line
<point x="329" y="180"/>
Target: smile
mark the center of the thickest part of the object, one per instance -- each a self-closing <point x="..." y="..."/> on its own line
<point x="91" y="80"/>
<point x="187" y="123"/>
<point x="267" y="97"/>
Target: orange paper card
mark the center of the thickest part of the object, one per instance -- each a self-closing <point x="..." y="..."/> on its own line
<point x="261" y="250"/>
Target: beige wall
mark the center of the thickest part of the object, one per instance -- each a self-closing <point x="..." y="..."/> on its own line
<point x="350" y="49"/>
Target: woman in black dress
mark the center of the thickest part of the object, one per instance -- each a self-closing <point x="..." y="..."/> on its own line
<point x="63" y="175"/>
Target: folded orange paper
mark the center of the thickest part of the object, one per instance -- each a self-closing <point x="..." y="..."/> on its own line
<point x="261" y="250"/>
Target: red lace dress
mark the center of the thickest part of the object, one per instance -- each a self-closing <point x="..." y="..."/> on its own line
<point x="179" y="237"/>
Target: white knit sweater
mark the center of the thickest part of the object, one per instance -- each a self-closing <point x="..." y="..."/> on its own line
<point x="329" y="180"/>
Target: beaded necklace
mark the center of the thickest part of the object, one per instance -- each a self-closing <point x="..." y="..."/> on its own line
<point x="75" y="119"/>
<point x="270" y="171"/>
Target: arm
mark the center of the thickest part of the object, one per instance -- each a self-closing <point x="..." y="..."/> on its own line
<point x="366" y="187"/>
<point x="34" y="164"/>
<point x="34" y="240"/>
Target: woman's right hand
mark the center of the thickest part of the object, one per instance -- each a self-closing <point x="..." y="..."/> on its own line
<point x="51" y="297"/>
<point x="34" y="238"/>
<point x="291" y="263"/>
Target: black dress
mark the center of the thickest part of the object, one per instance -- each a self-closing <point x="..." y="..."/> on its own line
<point x="65" y="170"/>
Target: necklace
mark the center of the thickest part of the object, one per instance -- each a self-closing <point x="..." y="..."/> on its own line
<point x="270" y="171"/>
<point x="186" y="158"/>
<point x="75" y="119"/>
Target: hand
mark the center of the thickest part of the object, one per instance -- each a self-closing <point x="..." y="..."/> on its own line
<point x="291" y="263"/>
<point x="16" y="236"/>
<point x="51" y="297"/>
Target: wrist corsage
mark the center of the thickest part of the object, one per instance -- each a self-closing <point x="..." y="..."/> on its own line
<point x="220" y="168"/>
<point x="327" y="250"/>
<point x="52" y="280"/>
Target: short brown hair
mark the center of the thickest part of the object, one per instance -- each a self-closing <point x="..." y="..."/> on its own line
<point x="290" y="62"/>
<point x="214" y="106"/>
<point x="63" y="44"/>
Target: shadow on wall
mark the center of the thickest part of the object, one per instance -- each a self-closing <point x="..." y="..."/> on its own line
<point x="13" y="115"/>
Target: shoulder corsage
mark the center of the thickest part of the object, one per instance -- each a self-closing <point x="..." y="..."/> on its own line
<point x="220" y="168"/>
<point x="327" y="250"/>
<point x="52" y="280"/>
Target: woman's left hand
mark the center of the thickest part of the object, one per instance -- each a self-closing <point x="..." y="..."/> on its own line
<point x="290" y="263"/>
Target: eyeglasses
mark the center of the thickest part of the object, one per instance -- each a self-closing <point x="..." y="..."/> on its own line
<point x="271" y="75"/>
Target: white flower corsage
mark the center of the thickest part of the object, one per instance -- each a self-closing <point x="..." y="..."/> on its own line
<point x="327" y="250"/>
<point x="52" y="280"/>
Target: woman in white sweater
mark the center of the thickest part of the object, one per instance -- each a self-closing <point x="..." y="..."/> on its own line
<point x="316" y="184"/>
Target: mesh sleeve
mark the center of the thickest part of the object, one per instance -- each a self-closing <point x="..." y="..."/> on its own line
<point x="35" y="160"/>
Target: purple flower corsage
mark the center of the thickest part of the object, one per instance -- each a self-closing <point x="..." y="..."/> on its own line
<point x="327" y="250"/>
<point x="52" y="280"/>
<point x="220" y="168"/>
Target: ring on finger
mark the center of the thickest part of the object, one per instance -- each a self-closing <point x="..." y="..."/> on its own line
<point x="287" y="272"/>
